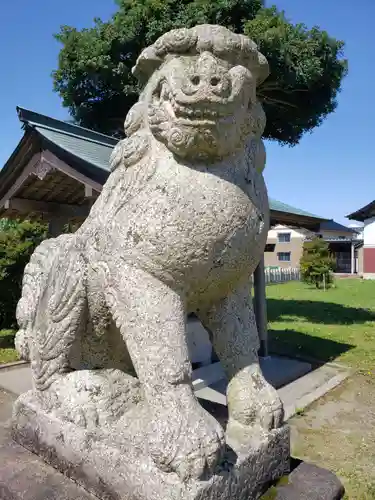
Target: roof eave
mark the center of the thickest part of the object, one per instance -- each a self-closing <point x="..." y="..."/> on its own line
<point x="24" y="151"/>
<point x="82" y="166"/>
<point x="297" y="220"/>
<point x="363" y="213"/>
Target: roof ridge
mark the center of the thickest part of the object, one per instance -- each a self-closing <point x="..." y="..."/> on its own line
<point x="33" y="118"/>
<point x="70" y="134"/>
<point x="281" y="207"/>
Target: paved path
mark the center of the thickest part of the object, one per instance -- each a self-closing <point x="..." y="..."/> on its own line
<point x="6" y="404"/>
<point x="16" y="379"/>
<point x="278" y="371"/>
<point x="306" y="387"/>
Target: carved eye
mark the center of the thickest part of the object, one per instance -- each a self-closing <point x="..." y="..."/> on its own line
<point x="215" y="81"/>
<point x="195" y="80"/>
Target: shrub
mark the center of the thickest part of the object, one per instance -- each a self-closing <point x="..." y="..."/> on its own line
<point x="317" y="264"/>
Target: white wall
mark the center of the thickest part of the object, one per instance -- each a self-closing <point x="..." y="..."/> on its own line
<point x="294" y="233"/>
<point x="369" y="232"/>
<point x="358" y="228"/>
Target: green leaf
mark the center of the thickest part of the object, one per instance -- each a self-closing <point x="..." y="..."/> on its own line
<point x="17" y="243"/>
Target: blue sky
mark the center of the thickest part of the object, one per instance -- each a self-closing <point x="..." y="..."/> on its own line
<point x="330" y="173"/>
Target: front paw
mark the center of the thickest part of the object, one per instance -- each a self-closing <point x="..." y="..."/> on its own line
<point x="253" y="401"/>
<point x="186" y="439"/>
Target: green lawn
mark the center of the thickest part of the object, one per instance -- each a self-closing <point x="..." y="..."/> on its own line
<point x="337" y="324"/>
<point x="7" y="351"/>
<point x="338" y="431"/>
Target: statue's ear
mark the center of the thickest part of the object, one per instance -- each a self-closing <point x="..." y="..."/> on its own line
<point x="147" y="63"/>
<point x="135" y="118"/>
<point x="262" y="69"/>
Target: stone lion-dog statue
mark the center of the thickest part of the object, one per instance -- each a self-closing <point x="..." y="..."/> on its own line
<point x="179" y="228"/>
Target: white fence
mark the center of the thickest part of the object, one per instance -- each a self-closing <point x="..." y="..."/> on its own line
<point x="280" y="275"/>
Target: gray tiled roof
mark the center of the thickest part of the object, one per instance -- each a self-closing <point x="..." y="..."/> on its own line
<point x="331" y="225"/>
<point x="363" y="213"/>
<point x="87" y="145"/>
<point x="283" y="207"/>
<point x="89" y="151"/>
<point x="95" y="148"/>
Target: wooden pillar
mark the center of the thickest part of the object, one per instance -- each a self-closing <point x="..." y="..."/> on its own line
<point x="352" y="255"/>
<point x="260" y="307"/>
<point x="89" y="195"/>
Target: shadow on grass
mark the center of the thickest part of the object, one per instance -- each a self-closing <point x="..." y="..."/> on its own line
<point x="7" y="338"/>
<point x="301" y="345"/>
<point x="327" y="313"/>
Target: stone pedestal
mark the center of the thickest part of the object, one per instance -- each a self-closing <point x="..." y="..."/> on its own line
<point x="25" y="476"/>
<point x="308" y="482"/>
<point x="113" y="464"/>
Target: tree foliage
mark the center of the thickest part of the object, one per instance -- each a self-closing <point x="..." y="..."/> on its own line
<point x="94" y="73"/>
<point x="17" y="242"/>
<point x="317" y="264"/>
<point x="306" y="74"/>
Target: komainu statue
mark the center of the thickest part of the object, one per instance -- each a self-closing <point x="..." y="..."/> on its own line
<point x="179" y="228"/>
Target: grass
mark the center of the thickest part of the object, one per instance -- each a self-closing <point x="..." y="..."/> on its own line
<point x="337" y="324"/>
<point x="7" y="350"/>
<point x="338" y="431"/>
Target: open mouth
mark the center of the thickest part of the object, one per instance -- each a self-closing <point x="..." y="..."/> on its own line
<point x="198" y="113"/>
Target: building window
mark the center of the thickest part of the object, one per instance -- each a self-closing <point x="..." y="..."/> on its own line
<point x="283" y="237"/>
<point x="283" y="256"/>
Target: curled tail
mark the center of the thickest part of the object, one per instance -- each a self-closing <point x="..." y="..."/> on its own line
<point x="49" y="311"/>
<point x="34" y="282"/>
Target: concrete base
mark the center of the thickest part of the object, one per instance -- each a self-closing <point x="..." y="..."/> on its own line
<point x="304" y="386"/>
<point x="295" y="396"/>
<point x="25" y="476"/>
<point x="113" y="463"/>
<point x="303" y="391"/>
<point x="210" y="382"/>
<point x="280" y="371"/>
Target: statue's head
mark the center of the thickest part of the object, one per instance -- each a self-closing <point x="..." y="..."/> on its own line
<point x="199" y="96"/>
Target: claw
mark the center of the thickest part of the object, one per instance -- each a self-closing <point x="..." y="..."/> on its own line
<point x="194" y="458"/>
<point x="255" y="403"/>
